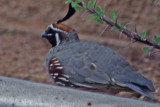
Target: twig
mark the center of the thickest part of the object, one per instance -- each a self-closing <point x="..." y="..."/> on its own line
<point x="83" y="14"/>
<point x="95" y="3"/>
<point x="155" y="3"/>
<point x="154" y="52"/>
<point x="124" y="30"/>
<point x="104" y="30"/>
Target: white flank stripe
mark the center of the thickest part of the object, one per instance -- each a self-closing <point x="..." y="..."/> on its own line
<point x="65" y="75"/>
<point x="82" y="85"/>
<point x="64" y="79"/>
<point x="57" y="64"/>
<point x="51" y="65"/>
<point x="53" y="77"/>
<point x="59" y="67"/>
<point x="54" y="59"/>
<point x="118" y="83"/>
<point x="56" y="74"/>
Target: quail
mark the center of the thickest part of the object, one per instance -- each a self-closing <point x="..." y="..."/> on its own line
<point x="71" y="62"/>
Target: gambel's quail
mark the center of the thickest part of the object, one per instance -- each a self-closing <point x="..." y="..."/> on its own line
<point x="72" y="62"/>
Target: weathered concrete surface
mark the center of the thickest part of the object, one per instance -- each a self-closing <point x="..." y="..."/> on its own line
<point x="20" y="93"/>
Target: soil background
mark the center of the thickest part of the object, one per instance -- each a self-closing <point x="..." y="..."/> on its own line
<point x="22" y="51"/>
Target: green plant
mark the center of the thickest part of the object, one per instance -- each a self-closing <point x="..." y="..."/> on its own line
<point x="98" y="15"/>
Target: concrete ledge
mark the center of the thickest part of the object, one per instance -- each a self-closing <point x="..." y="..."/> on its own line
<point x="21" y="93"/>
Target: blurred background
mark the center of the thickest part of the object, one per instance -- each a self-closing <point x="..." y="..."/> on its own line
<point x="22" y="51"/>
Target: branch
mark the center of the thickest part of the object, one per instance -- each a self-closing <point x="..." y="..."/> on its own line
<point x="125" y="31"/>
<point x="133" y="35"/>
<point x="155" y="2"/>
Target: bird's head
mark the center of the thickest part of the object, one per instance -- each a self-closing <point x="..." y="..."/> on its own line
<point x="57" y="34"/>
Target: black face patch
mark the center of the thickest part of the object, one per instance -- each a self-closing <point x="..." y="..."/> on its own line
<point x="49" y="30"/>
<point x="52" y="40"/>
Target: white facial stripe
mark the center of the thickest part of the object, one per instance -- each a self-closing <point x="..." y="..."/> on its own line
<point x="56" y="29"/>
<point x="57" y="39"/>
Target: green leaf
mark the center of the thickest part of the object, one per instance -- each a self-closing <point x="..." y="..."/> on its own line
<point x="115" y="28"/>
<point x="99" y="21"/>
<point x="99" y="10"/>
<point x="89" y="16"/>
<point x="73" y="4"/>
<point x="102" y="13"/>
<point x="121" y="24"/>
<point x="143" y="37"/>
<point x="84" y="5"/>
<point x="104" y="9"/>
<point x="112" y="15"/>
<point x="145" y="49"/>
<point x="78" y="8"/>
<point x="93" y="1"/>
<point x="78" y="1"/>
<point x="68" y="1"/>
<point x="156" y="38"/>
<point x="95" y="17"/>
<point x="91" y="4"/>
<point x="153" y="1"/>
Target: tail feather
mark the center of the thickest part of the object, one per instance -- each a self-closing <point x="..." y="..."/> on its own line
<point x="141" y="82"/>
<point x="140" y="90"/>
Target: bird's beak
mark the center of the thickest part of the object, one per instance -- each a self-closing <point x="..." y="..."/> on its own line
<point x="43" y="35"/>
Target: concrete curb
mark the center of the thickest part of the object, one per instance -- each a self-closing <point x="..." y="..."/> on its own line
<point x="21" y="93"/>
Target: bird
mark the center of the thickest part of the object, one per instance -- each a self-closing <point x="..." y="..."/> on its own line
<point x="75" y="63"/>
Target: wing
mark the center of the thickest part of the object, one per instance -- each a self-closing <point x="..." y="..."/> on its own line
<point x="83" y="70"/>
